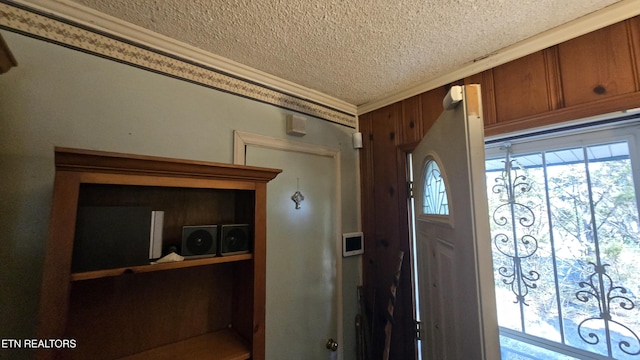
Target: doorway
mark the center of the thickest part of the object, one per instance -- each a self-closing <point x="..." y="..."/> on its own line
<point x="304" y="262"/>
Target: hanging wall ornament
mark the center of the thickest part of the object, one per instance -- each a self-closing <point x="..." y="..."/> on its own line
<point x="297" y="197"/>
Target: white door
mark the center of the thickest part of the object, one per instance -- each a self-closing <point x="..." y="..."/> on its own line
<point x="302" y="299"/>
<point x="455" y="273"/>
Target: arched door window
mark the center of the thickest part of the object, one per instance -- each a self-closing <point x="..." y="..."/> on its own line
<point x="435" y="193"/>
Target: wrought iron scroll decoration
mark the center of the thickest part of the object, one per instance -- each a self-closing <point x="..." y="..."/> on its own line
<point x="509" y="185"/>
<point x="600" y="287"/>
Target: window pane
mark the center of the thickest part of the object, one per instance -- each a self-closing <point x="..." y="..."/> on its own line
<point x="570" y="216"/>
<point x="616" y="248"/>
<point x="523" y="261"/>
<point x="435" y="194"/>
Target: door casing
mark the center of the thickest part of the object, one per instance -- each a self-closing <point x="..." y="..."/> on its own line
<point x="242" y="140"/>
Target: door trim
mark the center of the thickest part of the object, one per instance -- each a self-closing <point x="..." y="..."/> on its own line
<point x="241" y="140"/>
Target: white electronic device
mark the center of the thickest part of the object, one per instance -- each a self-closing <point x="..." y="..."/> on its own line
<point x="155" y="239"/>
<point x="352" y="244"/>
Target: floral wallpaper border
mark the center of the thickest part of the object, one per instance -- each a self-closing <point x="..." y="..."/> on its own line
<point x="66" y="33"/>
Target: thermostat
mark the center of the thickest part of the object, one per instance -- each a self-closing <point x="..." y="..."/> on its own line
<point x="352" y="244"/>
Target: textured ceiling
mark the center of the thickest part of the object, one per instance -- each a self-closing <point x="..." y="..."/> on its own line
<point x="357" y="50"/>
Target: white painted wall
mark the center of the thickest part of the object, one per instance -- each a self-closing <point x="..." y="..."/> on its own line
<point x="62" y="97"/>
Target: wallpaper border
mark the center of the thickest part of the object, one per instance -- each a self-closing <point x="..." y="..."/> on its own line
<point x="63" y="32"/>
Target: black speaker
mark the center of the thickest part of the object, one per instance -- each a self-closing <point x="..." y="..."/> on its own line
<point x="199" y="241"/>
<point x="235" y="239"/>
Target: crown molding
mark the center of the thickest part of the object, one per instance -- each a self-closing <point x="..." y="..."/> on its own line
<point x="92" y="19"/>
<point x="610" y="15"/>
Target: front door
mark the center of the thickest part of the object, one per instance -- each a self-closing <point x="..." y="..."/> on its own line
<point x="303" y="266"/>
<point x="453" y="244"/>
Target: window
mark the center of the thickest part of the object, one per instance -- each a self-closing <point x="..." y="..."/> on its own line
<point x="435" y="193"/>
<point x="566" y="244"/>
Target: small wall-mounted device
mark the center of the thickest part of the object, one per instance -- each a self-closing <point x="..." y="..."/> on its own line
<point x="296" y="125"/>
<point x="352" y="244"/>
<point x="357" y="140"/>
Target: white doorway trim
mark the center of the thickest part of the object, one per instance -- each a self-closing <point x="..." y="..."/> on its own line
<point x="241" y="140"/>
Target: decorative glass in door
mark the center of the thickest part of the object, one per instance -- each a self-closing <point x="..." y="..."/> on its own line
<point x="435" y="192"/>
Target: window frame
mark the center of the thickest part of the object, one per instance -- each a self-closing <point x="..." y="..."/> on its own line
<point x="600" y="131"/>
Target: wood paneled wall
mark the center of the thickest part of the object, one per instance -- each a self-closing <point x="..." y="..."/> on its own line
<point x="590" y="75"/>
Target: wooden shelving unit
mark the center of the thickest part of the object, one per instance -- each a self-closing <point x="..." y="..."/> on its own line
<point x="209" y="308"/>
<point x="220" y="345"/>
<point x="157" y="267"/>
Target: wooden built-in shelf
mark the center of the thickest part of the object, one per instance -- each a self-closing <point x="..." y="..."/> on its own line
<point x="219" y="345"/>
<point x="158" y="267"/>
<point x="198" y="308"/>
